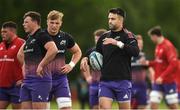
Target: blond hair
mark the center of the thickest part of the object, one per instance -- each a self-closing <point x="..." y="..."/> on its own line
<point x="53" y="15"/>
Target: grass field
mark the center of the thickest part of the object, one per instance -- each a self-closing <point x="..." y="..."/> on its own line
<point x="76" y="105"/>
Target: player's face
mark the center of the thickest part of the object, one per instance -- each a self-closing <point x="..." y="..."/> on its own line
<point x="115" y="22"/>
<point x="154" y="38"/>
<point x="140" y="44"/>
<point x="6" y="34"/>
<point x="54" y="26"/>
<point x="96" y="38"/>
<point x="29" y="24"/>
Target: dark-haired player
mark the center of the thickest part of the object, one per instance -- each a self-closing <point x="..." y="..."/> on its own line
<point x="117" y="47"/>
<point x="10" y="68"/>
<point x="36" y="54"/>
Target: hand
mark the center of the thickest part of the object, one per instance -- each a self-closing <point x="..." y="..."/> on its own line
<point x="18" y="83"/>
<point x="66" y="69"/>
<point x="39" y="71"/>
<point x="143" y="61"/>
<point x="89" y="80"/>
<point x="84" y="64"/>
<point x="107" y="41"/>
<point x="159" y="80"/>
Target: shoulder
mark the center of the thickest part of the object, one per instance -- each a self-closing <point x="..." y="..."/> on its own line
<point x="20" y="40"/>
<point x="104" y="35"/>
<point x="65" y="34"/>
<point x="168" y="44"/>
<point x="43" y="33"/>
<point x="129" y="33"/>
<point x="91" y="49"/>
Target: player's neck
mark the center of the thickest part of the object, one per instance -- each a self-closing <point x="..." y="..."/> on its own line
<point x="118" y="29"/>
<point x="12" y="38"/>
<point x="51" y="33"/>
<point x="160" y="40"/>
<point x="34" y="30"/>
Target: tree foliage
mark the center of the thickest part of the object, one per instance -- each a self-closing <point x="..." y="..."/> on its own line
<point x="82" y="17"/>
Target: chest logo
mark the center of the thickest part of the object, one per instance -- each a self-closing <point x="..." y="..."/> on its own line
<point x="63" y="42"/>
<point x="1" y="48"/>
<point x="117" y="37"/>
<point x="5" y="56"/>
<point x="32" y="41"/>
<point x="13" y="47"/>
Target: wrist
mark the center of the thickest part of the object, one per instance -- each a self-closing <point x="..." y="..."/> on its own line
<point x="72" y="64"/>
<point x="120" y="44"/>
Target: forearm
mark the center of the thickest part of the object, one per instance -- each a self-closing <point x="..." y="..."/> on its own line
<point x="131" y="50"/>
<point x="76" y="51"/>
<point x="86" y="73"/>
<point x="50" y="54"/>
<point x="20" y="55"/>
<point x="76" y="57"/>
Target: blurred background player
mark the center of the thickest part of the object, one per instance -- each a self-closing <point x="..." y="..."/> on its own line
<point x="92" y="76"/>
<point x="10" y="68"/>
<point x="139" y="76"/>
<point x="178" y="79"/>
<point x="59" y="68"/>
<point x="82" y="92"/>
<point x="36" y="54"/>
<point x="117" y="47"/>
<point x="165" y="66"/>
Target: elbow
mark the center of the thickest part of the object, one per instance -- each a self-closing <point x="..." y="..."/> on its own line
<point x="80" y="53"/>
<point x="55" y="50"/>
<point x="136" y="52"/>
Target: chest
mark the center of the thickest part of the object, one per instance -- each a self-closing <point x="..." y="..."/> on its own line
<point x="159" y="52"/>
<point x="108" y="49"/>
<point x="10" y="52"/>
<point x="61" y="43"/>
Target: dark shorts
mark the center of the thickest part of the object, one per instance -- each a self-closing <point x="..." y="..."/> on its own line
<point x="10" y="94"/>
<point x="35" y="92"/>
<point x="165" y="88"/>
<point x="93" y="94"/>
<point x="139" y="94"/>
<point x="118" y="90"/>
<point x="60" y="88"/>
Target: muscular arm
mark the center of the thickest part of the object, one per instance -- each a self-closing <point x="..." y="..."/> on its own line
<point x="20" y="55"/>
<point x="85" y="69"/>
<point x="76" y="51"/>
<point x="50" y="54"/>
<point x="131" y="47"/>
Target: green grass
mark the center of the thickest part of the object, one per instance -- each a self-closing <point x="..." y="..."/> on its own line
<point x="76" y="105"/>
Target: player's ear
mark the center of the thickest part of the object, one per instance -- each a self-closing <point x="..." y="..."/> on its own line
<point x="47" y="21"/>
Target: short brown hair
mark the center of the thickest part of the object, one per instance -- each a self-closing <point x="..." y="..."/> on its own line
<point x="35" y="16"/>
<point x="53" y="15"/>
<point x="9" y="24"/>
<point x="99" y="32"/>
<point x="155" y="31"/>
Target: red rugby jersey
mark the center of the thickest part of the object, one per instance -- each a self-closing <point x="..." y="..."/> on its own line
<point x="165" y="62"/>
<point x="10" y="68"/>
